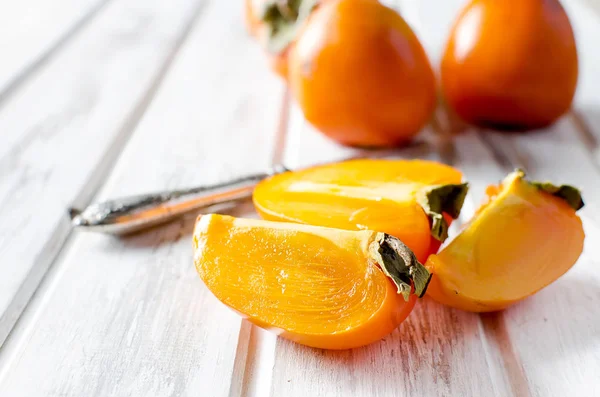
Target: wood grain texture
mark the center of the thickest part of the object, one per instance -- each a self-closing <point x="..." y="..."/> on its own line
<point x="31" y="31"/>
<point x="548" y="344"/>
<point x="64" y="127"/>
<point x="586" y="113"/>
<point x="130" y="316"/>
<point x="436" y="352"/>
<point x="513" y="356"/>
<point x="556" y="333"/>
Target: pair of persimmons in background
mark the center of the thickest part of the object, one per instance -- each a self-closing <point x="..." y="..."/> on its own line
<point x="361" y="76"/>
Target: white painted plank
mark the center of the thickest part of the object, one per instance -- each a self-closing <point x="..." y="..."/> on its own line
<point x="585" y="17"/>
<point x="131" y="316"/>
<point x="436" y="352"/>
<point x="587" y="97"/>
<point x="555" y="332"/>
<point x="67" y="124"/>
<point x="549" y="343"/>
<point x="31" y="30"/>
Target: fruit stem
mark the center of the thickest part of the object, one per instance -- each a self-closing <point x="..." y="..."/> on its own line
<point x="400" y="264"/>
<point x="283" y="19"/>
<point x="570" y="194"/>
<point x="439" y="200"/>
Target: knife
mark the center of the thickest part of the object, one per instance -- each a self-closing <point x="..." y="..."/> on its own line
<point x="131" y="214"/>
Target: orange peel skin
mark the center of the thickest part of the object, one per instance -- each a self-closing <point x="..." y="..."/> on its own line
<point x="521" y="240"/>
<point x="316" y="286"/>
<point x="364" y="194"/>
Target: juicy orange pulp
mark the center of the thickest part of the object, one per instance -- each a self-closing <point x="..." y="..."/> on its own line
<point x="357" y="195"/>
<point x="316" y="286"/>
<point x="520" y="241"/>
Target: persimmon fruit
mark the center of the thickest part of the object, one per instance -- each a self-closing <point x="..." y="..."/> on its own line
<point x="510" y="64"/>
<point x="522" y="239"/>
<point x="360" y="75"/>
<point x="321" y="287"/>
<point x="413" y="200"/>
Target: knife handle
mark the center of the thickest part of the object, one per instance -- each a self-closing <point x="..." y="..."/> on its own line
<point x="134" y="213"/>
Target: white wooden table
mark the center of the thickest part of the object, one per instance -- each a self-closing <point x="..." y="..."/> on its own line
<point x="102" y="98"/>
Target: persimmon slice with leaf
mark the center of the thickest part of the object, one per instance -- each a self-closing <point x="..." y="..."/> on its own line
<point x="522" y="239"/>
<point x="413" y="200"/>
<point x="322" y="287"/>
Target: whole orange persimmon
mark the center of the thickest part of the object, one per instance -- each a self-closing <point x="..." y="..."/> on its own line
<point x="510" y="64"/>
<point x="360" y="74"/>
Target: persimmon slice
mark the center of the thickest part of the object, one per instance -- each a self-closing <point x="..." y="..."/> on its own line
<point x="522" y="239"/>
<point x="321" y="287"/>
<point x="404" y="198"/>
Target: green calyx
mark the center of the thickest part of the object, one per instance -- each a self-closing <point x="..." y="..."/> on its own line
<point x="400" y="264"/>
<point x="283" y="19"/>
<point x="570" y="194"/>
<point x="439" y="200"/>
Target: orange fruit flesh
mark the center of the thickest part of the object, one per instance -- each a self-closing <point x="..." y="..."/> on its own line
<point x="520" y="241"/>
<point x="358" y="195"/>
<point x="313" y="285"/>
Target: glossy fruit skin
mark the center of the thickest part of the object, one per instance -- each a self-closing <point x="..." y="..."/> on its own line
<point x="510" y="65"/>
<point x="227" y="250"/>
<point x="361" y="76"/>
<point x="519" y="242"/>
<point x="357" y="195"/>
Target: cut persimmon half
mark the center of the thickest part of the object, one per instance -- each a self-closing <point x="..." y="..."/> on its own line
<point x="413" y="200"/>
<point x="522" y="239"/>
<point x="320" y="287"/>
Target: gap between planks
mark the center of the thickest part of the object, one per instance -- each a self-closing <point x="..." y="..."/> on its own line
<point x="13" y="84"/>
<point x="587" y="136"/>
<point x="255" y="355"/>
<point x="495" y="337"/>
<point x="62" y="234"/>
<point x="495" y="324"/>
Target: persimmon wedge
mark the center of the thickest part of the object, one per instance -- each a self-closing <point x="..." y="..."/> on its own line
<point x="321" y="287"/>
<point x="413" y="200"/>
<point x="525" y="237"/>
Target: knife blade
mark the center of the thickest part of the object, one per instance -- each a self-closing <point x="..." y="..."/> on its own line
<point x="131" y="214"/>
